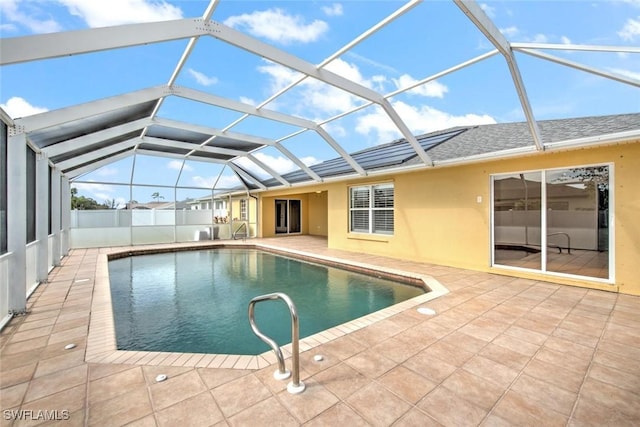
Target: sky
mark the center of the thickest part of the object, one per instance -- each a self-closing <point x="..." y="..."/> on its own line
<point x="433" y="36"/>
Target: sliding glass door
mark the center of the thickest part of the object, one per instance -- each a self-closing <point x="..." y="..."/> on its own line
<point x="553" y="220"/>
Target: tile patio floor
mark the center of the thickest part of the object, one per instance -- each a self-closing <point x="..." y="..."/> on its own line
<point x="500" y="351"/>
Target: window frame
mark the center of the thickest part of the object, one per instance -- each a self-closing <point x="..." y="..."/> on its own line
<point x="544" y="212"/>
<point x="374" y="204"/>
<point x="244" y="210"/>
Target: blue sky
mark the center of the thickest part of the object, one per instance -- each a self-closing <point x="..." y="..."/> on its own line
<point x="431" y="37"/>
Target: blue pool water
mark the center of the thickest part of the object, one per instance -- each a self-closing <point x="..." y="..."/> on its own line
<point x="197" y="301"/>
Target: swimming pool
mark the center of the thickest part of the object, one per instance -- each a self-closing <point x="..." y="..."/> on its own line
<point x="196" y="301"/>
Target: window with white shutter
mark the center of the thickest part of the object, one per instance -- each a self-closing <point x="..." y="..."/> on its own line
<point x="371" y="209"/>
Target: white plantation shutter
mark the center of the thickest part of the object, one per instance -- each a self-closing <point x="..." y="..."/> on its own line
<point x="371" y="209"/>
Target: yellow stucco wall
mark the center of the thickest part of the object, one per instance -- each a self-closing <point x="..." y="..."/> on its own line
<point x="438" y="218"/>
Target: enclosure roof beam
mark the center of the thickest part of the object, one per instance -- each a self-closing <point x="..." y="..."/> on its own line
<point x="95" y="137"/>
<point x="229" y="104"/>
<point x="237" y="169"/>
<point x="96" y="154"/>
<point x="269" y="169"/>
<point x="581" y="67"/>
<point x="189" y="146"/>
<point x="72" y="174"/>
<point x="298" y="162"/>
<point x="54" y="45"/>
<point x="213" y="131"/>
<point x="323" y="133"/>
<point x="82" y="111"/>
<point x="474" y="12"/>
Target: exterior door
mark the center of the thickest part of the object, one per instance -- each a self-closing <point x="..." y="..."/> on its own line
<point x="288" y="216"/>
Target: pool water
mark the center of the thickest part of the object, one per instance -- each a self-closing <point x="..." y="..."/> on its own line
<point x="197" y="301"/>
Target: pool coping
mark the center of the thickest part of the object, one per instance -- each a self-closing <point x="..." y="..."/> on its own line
<point x="101" y="341"/>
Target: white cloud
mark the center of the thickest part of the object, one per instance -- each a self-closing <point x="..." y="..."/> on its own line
<point x="489" y="10"/>
<point x="631" y="30"/>
<point x="333" y="10"/>
<point x="280" y="164"/>
<point x="249" y="101"/>
<point x="202" y="79"/>
<point x="278" y="26"/>
<point x="510" y="31"/>
<point x="177" y="165"/>
<point x="225" y="181"/>
<point x="281" y="76"/>
<point x="432" y="89"/>
<point x="540" y="38"/>
<point x="101" y="193"/>
<point x="107" y="171"/>
<point x="35" y="20"/>
<point x="421" y="119"/>
<point x="19" y="107"/>
<point x="626" y="73"/>
<point x="565" y="40"/>
<point x="117" y="12"/>
<point x="317" y="96"/>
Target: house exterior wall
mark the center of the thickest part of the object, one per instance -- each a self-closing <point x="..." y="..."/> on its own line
<point x="439" y="220"/>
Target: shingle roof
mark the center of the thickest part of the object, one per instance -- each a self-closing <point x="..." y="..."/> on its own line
<point x="463" y="142"/>
<point x="486" y="139"/>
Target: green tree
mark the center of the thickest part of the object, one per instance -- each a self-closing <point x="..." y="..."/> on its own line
<point x="83" y="203"/>
<point x="156" y="196"/>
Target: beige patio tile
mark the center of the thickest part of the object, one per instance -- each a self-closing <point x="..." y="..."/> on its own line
<point x="516" y="344"/>
<point x="24" y="346"/>
<point x="563" y="345"/>
<point x="416" y="418"/>
<point x="490" y="370"/>
<point x="370" y="363"/>
<point x="122" y="409"/>
<point x="566" y="379"/>
<point x="175" y="389"/>
<point x="562" y="360"/>
<point x="342" y="380"/>
<point x="264" y="413"/>
<point x="304" y="406"/>
<point x="56" y="382"/>
<point x="509" y="358"/>
<point x="449" y="409"/>
<point x="71" y="400"/>
<point x="115" y="384"/>
<point x="435" y="370"/>
<point x="484" y="328"/>
<point x="448" y="352"/>
<point x="473" y="389"/>
<point x="239" y="394"/>
<point x="378" y="406"/>
<point x="199" y="410"/>
<point x="406" y="384"/>
<point x="545" y="394"/>
<point x="339" y="414"/>
<point x="592" y="413"/>
<point x="57" y="363"/>
<point x="519" y="411"/>
<point x="13" y="395"/>
<point x="216" y="377"/>
<point x="17" y="375"/>
<point x="398" y="350"/>
<point x="612" y="397"/>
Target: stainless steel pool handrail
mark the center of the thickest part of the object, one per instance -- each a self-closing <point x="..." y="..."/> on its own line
<point x="295" y="386"/>
<point x="560" y="233"/>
